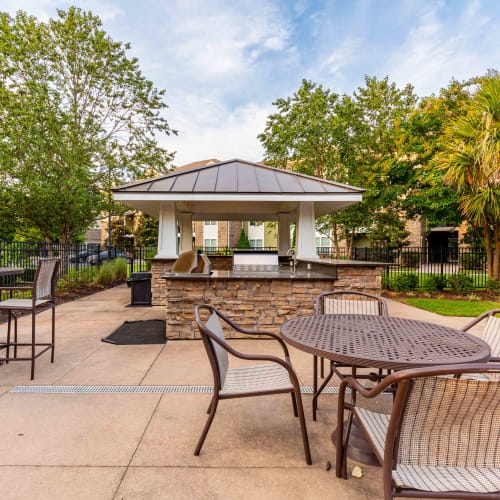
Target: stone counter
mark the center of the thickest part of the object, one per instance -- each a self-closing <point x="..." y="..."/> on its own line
<point x="258" y="300"/>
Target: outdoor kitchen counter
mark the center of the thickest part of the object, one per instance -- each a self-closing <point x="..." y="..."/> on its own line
<point x="282" y="274"/>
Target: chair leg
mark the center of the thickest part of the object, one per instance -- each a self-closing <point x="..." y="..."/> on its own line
<point x="33" y="339"/>
<point x="303" y="428"/>
<point x="320" y="390"/>
<point x="208" y="423"/>
<point x="7" y="350"/>
<point x="294" y="405"/>
<point x="53" y="332"/>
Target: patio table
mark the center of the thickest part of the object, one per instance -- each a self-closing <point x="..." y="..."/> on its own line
<point x="384" y="342"/>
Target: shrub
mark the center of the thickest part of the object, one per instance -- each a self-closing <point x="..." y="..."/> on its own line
<point x="461" y="282"/>
<point x="120" y="269"/>
<point x="106" y="275"/>
<point x="493" y="286"/>
<point x="435" y="282"/>
<point x="470" y="261"/>
<point x="404" y="282"/>
<point x="411" y="258"/>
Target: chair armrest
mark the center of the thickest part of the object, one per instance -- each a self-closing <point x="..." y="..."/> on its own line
<point x="257" y="357"/>
<point x="477" y="320"/>
<point x="245" y="331"/>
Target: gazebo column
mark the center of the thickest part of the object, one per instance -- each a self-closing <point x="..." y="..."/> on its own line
<point x="283" y="233"/>
<point x="167" y="231"/>
<point x="186" y="225"/>
<point x="306" y="234"/>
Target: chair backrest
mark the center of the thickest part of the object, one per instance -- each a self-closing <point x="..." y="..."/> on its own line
<point x="491" y="335"/>
<point x="45" y="280"/>
<point x="448" y="422"/>
<point x="209" y="330"/>
<point x="350" y="302"/>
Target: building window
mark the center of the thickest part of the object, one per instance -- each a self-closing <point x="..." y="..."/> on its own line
<point x="255" y="223"/>
<point x="210" y="243"/>
<point x="323" y="241"/>
<point x="210" y="223"/>
<point x="256" y="243"/>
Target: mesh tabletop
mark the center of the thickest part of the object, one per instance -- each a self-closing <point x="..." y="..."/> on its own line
<point x="382" y="341"/>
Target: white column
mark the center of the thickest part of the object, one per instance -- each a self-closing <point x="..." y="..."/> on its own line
<point x="306" y="242"/>
<point x="186" y="224"/>
<point x="167" y="231"/>
<point x="283" y="233"/>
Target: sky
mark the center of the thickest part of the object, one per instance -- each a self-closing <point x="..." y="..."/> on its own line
<point x="224" y="62"/>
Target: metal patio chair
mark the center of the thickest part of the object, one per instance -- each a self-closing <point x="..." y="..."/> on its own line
<point x="272" y="375"/>
<point x="42" y="294"/>
<point x="442" y="438"/>
<point x="342" y="302"/>
<point x="491" y="332"/>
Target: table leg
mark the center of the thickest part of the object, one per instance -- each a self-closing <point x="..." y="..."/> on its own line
<point x="357" y="448"/>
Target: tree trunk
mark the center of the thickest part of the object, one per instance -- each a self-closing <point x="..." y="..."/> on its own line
<point x="496" y="252"/>
<point x="488" y="248"/>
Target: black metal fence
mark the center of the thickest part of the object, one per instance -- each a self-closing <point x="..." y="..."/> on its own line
<point x="422" y="261"/>
<point x="78" y="259"/>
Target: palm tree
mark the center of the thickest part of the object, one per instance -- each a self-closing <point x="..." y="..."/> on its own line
<point x="470" y="160"/>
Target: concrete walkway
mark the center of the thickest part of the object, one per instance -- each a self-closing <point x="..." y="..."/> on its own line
<point x="120" y="437"/>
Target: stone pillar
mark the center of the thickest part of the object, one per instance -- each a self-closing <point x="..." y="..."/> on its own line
<point x="167" y="232"/>
<point x="186" y="225"/>
<point x="306" y="242"/>
<point x="283" y="233"/>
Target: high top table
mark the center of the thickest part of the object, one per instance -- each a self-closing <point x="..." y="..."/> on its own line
<point x="384" y="342"/>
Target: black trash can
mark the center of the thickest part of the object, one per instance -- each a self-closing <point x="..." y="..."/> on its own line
<point x="140" y="289"/>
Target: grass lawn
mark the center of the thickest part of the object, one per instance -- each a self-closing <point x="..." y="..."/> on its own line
<point x="447" y="307"/>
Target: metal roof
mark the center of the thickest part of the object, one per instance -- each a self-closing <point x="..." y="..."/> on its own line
<point x="236" y="177"/>
<point x="236" y="189"/>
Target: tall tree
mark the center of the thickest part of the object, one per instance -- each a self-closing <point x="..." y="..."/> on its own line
<point x="349" y="139"/>
<point x="471" y="162"/>
<point x="78" y="117"/>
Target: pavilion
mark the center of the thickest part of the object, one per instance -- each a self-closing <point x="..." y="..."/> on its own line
<point x="236" y="190"/>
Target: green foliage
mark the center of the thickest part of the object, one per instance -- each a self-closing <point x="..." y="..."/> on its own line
<point x="470" y="261"/>
<point x="404" y="282"/>
<point x="410" y="258"/>
<point x="470" y="161"/>
<point x="435" y="282"/>
<point x="243" y="241"/>
<point x="493" y="286"/>
<point x="348" y="139"/>
<point x="78" y="117"/>
<point x="447" y="307"/>
<point x="461" y="282"/>
<point x="146" y="232"/>
<point x="106" y="274"/>
<point x="77" y="278"/>
<point x="120" y="268"/>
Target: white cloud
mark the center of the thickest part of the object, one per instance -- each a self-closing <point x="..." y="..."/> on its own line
<point x="341" y="57"/>
<point x="217" y="131"/>
<point x="435" y="51"/>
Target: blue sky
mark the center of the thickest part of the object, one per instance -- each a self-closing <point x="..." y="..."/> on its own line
<point x="223" y="62"/>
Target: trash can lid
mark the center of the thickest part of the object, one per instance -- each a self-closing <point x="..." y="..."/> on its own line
<point x="140" y="275"/>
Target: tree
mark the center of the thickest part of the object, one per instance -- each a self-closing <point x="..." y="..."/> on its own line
<point x="471" y="164"/>
<point x="146" y="232"/>
<point x="348" y="139"/>
<point x="243" y="241"/>
<point x="78" y="117"/>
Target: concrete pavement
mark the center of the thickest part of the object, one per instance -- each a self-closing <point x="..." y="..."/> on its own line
<point x="112" y="436"/>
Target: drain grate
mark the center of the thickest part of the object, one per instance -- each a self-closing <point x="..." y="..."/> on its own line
<point x="103" y="389"/>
